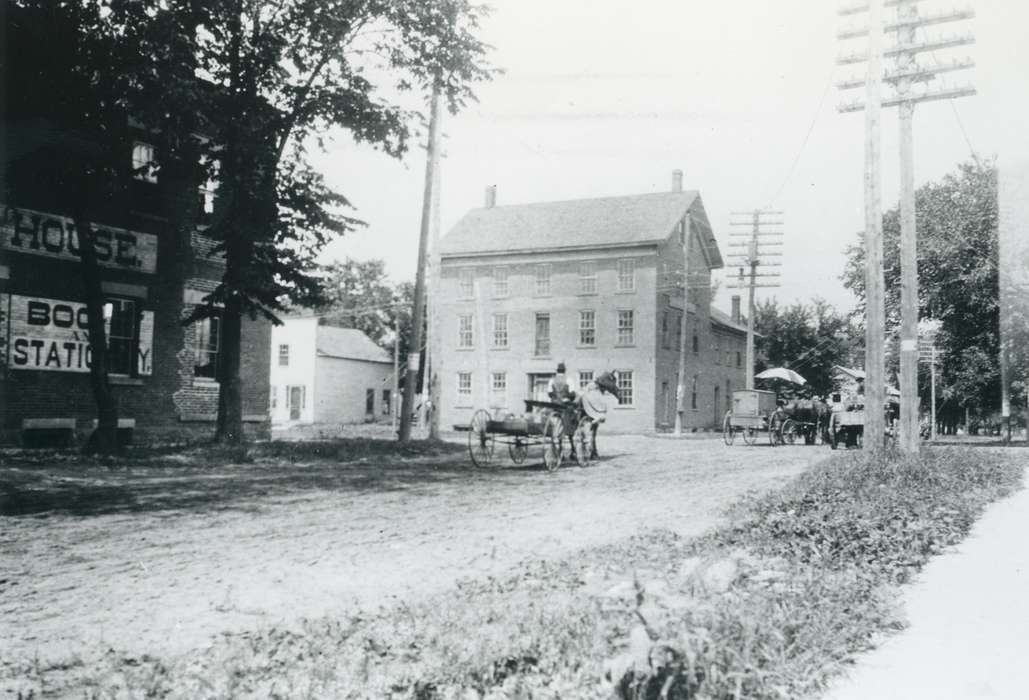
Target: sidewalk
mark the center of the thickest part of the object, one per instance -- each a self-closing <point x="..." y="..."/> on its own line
<point x="969" y="621"/>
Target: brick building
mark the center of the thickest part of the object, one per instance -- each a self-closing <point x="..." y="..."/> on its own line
<point x="156" y="265"/>
<point x="326" y="375"/>
<point x="597" y="284"/>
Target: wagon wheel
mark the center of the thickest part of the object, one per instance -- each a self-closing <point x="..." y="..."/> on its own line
<point x="582" y="441"/>
<point x="518" y="450"/>
<point x="553" y="435"/>
<point x="749" y="435"/>
<point x="728" y="432"/>
<point x="788" y="432"/>
<point x="480" y="442"/>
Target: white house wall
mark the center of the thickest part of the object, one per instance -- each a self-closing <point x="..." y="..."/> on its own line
<point x="300" y="334"/>
<point x="342" y="388"/>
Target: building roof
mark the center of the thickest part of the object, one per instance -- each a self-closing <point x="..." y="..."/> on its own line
<point x="579" y="223"/>
<point x="349" y="344"/>
<point x="725" y="320"/>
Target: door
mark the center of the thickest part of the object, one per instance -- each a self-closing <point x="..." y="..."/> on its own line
<point x="717" y="407"/>
<point x="666" y="405"/>
<point x="296" y="400"/>
<point x="369" y="405"/>
<point x="538" y="386"/>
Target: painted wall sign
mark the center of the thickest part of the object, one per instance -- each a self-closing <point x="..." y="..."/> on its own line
<point x="53" y="335"/>
<point x="38" y="233"/>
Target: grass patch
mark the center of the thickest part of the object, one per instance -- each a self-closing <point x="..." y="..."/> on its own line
<point x="199" y="454"/>
<point x="770" y="605"/>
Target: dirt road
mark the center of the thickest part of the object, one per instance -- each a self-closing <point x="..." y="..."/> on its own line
<point x="162" y="562"/>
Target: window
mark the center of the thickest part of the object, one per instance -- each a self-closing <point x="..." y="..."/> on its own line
<point x="693" y="394"/>
<point x="624" y="381"/>
<point x="122" y="336"/>
<point x="500" y="330"/>
<point x="464" y="388"/>
<point x="587" y="327"/>
<point x="739" y="359"/>
<point x="207" y="336"/>
<point x="696" y="339"/>
<point x="728" y="395"/>
<point x="678" y="331"/>
<point x="626" y="275"/>
<point x="498" y="386"/>
<point x="626" y="334"/>
<point x="500" y="288"/>
<point x="387" y="402"/>
<point x="542" y="348"/>
<point x="718" y="351"/>
<point x="543" y="280"/>
<point x="466" y="284"/>
<point x="274" y="391"/>
<point x="464" y="331"/>
<point x="584" y="379"/>
<point x="587" y="278"/>
<point x="143" y="162"/>
<point x="665" y="340"/>
<point x="283" y="356"/>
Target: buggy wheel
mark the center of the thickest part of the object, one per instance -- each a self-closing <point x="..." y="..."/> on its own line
<point x="728" y="433"/>
<point x="582" y="441"/>
<point x="480" y="442"/>
<point x="749" y="435"/>
<point x="788" y="432"/>
<point x="553" y="436"/>
<point x="518" y="451"/>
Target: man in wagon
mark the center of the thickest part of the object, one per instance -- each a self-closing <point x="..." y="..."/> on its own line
<point x="558" y="388"/>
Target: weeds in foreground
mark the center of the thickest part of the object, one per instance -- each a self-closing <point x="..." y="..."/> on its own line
<point x="769" y="606"/>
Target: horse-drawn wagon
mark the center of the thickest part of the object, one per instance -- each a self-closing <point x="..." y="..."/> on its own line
<point x="545" y="424"/>
<point x="753" y="411"/>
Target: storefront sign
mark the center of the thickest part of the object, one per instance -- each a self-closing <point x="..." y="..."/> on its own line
<point x="53" y="335"/>
<point x="38" y="233"/>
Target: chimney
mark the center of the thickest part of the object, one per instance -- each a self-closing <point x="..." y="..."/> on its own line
<point x="676" y="180"/>
<point x="736" y="308"/>
<point x="491" y="196"/>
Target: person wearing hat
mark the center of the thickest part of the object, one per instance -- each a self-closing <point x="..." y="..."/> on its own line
<point x="558" y="388"/>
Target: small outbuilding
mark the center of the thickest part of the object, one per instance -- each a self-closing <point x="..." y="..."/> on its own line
<point x="328" y="375"/>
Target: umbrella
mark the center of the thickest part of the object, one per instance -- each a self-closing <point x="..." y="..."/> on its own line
<point x="782" y="373"/>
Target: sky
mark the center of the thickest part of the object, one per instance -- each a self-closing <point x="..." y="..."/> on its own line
<point x="608" y="97"/>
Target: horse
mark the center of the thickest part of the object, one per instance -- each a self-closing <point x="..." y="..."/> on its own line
<point x="810" y="415"/>
<point x="589" y="404"/>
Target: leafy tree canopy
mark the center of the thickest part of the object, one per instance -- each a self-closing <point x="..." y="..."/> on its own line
<point x="957" y="278"/>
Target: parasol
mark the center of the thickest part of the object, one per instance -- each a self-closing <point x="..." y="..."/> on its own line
<point x="782" y="373"/>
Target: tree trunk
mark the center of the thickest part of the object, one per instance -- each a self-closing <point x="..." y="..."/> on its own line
<point x="230" y="400"/>
<point x="103" y="439"/>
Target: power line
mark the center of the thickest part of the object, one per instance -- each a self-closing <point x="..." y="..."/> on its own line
<point x="807" y="137"/>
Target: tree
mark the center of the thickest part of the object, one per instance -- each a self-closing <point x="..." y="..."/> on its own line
<point x="957" y="280"/>
<point x="360" y="295"/>
<point x="278" y="76"/>
<point x="809" y="339"/>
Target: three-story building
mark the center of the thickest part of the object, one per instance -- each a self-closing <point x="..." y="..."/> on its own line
<point x="596" y="284"/>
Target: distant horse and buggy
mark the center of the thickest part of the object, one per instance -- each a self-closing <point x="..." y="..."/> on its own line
<point x="545" y="424"/>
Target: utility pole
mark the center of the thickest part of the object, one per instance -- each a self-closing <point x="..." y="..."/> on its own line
<point x="432" y="304"/>
<point x="418" y="315"/>
<point x="906" y="73"/>
<point x="396" y="369"/>
<point x="753" y="265"/>
<point x="927" y="354"/>
<point x="680" y="387"/>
